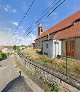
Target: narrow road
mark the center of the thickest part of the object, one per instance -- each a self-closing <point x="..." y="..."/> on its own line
<point x="7" y="72"/>
<point x="10" y="80"/>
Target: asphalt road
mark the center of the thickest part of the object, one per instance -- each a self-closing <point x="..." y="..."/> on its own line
<point x="10" y="81"/>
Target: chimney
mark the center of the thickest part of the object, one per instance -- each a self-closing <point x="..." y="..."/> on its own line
<point x="40" y="29"/>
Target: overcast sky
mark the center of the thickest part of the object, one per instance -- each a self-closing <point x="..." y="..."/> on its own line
<point x="12" y="11"/>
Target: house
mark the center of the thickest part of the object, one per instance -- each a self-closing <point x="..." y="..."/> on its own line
<point x="70" y="40"/>
<point x="46" y="40"/>
<point x="52" y="48"/>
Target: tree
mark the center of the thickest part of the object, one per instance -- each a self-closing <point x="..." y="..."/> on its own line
<point x="14" y="47"/>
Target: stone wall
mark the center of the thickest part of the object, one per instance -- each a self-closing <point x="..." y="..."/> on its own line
<point x="64" y="83"/>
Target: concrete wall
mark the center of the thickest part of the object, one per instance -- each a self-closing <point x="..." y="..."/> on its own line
<point x="53" y="49"/>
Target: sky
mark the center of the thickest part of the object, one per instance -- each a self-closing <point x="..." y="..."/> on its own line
<point x="12" y="11"/>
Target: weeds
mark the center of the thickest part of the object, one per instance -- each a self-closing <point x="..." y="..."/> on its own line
<point x="56" y="63"/>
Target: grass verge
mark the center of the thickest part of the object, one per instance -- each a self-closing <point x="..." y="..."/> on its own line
<point x="73" y="65"/>
<point x="44" y="84"/>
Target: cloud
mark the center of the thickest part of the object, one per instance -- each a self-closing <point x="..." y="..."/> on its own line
<point x="5" y="35"/>
<point x="8" y="8"/>
<point x="4" y="7"/>
<point x="25" y="41"/>
<point x="14" y="23"/>
<point x="10" y="29"/>
<point x="29" y="40"/>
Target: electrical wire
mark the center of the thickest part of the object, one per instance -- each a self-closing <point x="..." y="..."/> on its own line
<point x="22" y="19"/>
<point x="46" y="13"/>
<point x="56" y="8"/>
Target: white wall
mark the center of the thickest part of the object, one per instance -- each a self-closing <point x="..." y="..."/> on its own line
<point x="56" y="48"/>
<point x="53" y="49"/>
<point x="48" y="50"/>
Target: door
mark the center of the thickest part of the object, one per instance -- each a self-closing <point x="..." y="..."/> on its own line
<point x="70" y="48"/>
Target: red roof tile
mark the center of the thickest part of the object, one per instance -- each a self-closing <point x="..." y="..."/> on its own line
<point x="71" y="32"/>
<point x="66" y="22"/>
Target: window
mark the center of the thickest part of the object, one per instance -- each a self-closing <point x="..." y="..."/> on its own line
<point x="45" y="53"/>
<point x="46" y="45"/>
<point x="56" y="42"/>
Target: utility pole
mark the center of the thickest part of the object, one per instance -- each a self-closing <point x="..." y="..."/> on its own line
<point x="66" y="58"/>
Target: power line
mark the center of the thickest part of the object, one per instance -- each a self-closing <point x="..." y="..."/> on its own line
<point x="26" y="13"/>
<point x="47" y="16"/>
<point x="29" y="28"/>
<point x="25" y="36"/>
<point x="46" y="12"/>
<point x="56" y="8"/>
<point x="23" y="18"/>
<point x="49" y="6"/>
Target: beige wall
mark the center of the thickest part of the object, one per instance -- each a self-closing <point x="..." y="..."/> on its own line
<point x="52" y="35"/>
<point x="77" y="47"/>
<point x="63" y="51"/>
<point x="39" y="42"/>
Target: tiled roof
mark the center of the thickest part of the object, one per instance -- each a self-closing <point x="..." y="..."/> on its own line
<point x="66" y="22"/>
<point x="71" y="32"/>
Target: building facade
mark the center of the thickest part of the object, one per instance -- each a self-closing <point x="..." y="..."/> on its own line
<point x="70" y="40"/>
<point x="70" y="24"/>
<point x="52" y="48"/>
